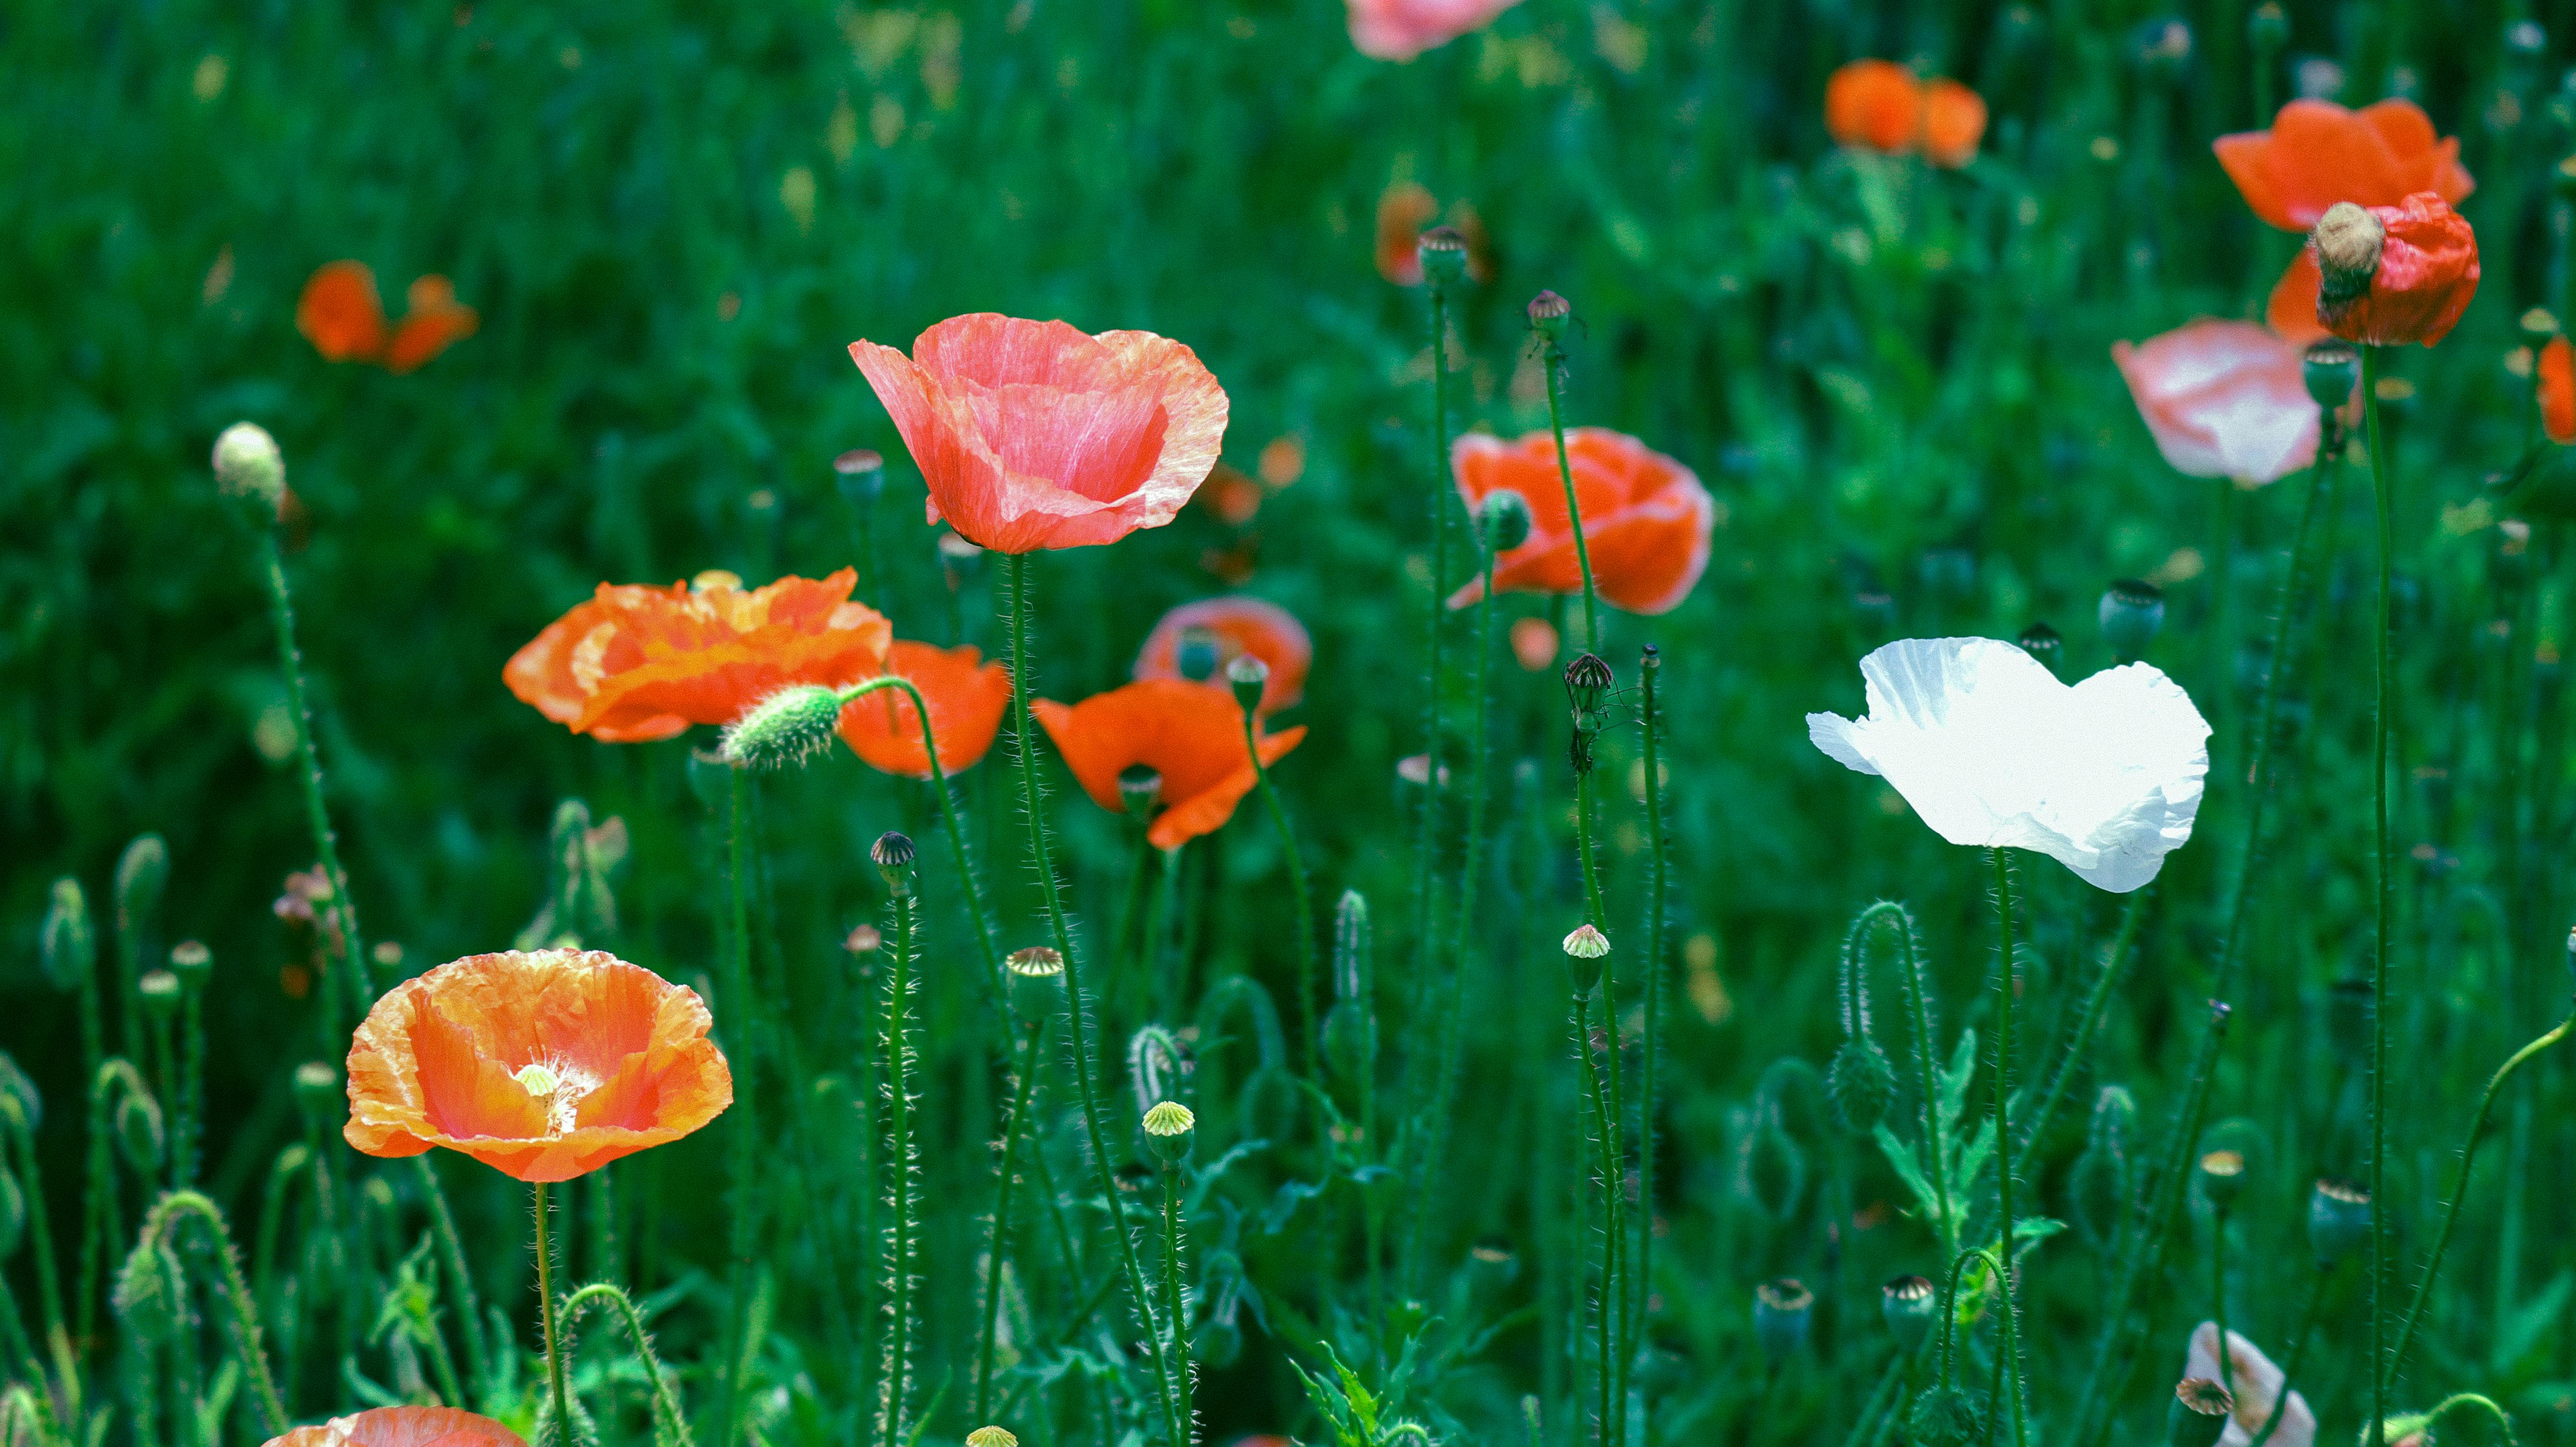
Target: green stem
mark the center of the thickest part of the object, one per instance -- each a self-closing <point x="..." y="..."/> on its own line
<point x="1603" y="1165"/>
<point x="1032" y="1057"/>
<point x="1918" y="1004"/>
<point x="1034" y="803"/>
<point x="192" y="1087"/>
<point x="2003" y="1127"/>
<point x="1298" y="892"/>
<point x="1172" y="1306"/>
<point x="900" y="1276"/>
<point x="666" y="1405"/>
<point x="1550" y="364"/>
<point x="947" y="815"/>
<point x="546" y="1312"/>
<point x="102" y="1226"/>
<point x="451" y="1253"/>
<point x="2113" y="962"/>
<point x="745" y="1143"/>
<point x="2298" y="1352"/>
<point x="1426" y="882"/>
<point x="1650" y="674"/>
<point x="2218" y="1295"/>
<point x="40" y="1241"/>
<point x="326" y="844"/>
<point x="2385" y="902"/>
<point x="247" y="1348"/>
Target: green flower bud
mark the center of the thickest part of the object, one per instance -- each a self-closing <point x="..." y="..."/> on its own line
<point x="70" y="945"/>
<point x="1491" y="1265"/>
<point x="1168" y="1129"/>
<point x="13" y="1213"/>
<point x="1583" y="951"/>
<point x="159" y="992"/>
<point x="1782" y="1312"/>
<point x="1861" y="1084"/>
<point x="1945" y="1416"/>
<point x="151" y="1294"/>
<point x="249" y="466"/>
<point x="1217" y="1344"/>
<point x="19" y="1088"/>
<point x="1505" y="520"/>
<point x="2338" y="1220"/>
<point x="193" y="964"/>
<point x="2098" y="1185"/>
<point x="1912" y="1306"/>
<point x="1351" y="942"/>
<point x="2199" y="1415"/>
<point x="1350" y="1041"/>
<point x="790" y="727"/>
<point x="859" y="474"/>
<point x="1197" y="654"/>
<point x="139" y="1132"/>
<point x="142" y="872"/>
<point x="2132" y="612"/>
<point x="1248" y="676"/>
<point x="894" y="854"/>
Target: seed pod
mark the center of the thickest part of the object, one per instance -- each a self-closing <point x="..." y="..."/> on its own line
<point x="139" y="1131"/>
<point x="1037" y="982"/>
<point x="1588" y="681"/>
<point x="70" y="951"/>
<point x="1782" y="1312"/>
<point x="859" y="474"/>
<point x="1945" y="1416"/>
<point x="2222" y="1177"/>
<point x="2043" y="643"/>
<point x="1247" y="676"/>
<point x="1912" y="1306"/>
<point x="2338" y="1220"/>
<point x="2199" y="1414"/>
<point x="1491" y="1266"/>
<point x="1583" y="951"/>
<point x="1549" y="315"/>
<point x="159" y="992"/>
<point x="249" y="466"/>
<point x="2331" y="368"/>
<point x="2132" y="612"/>
<point x="991" y="1437"/>
<point x="1169" y="1128"/>
<point x="1443" y="253"/>
<point x="1197" y="654"/>
<point x="151" y="1293"/>
<point x="1138" y="788"/>
<point x="894" y="854"/>
<point x="1861" y="1084"/>
<point x="193" y="965"/>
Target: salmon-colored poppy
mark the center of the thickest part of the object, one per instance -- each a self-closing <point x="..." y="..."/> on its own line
<point x="1407" y="209"/>
<point x="2557" y="389"/>
<point x="2317" y="153"/>
<point x="540" y="1064"/>
<point x="1234" y="497"/>
<point x="340" y="313"/>
<point x="1032" y="435"/>
<point x="1234" y="627"/>
<point x="403" y="1427"/>
<point x="1189" y="733"/>
<point x="2428" y="270"/>
<point x="966" y="697"/>
<point x="1646" y="519"/>
<point x="1954" y="121"/>
<point x="2223" y="399"/>
<point x="638" y="663"/>
<point x="1403" y="29"/>
<point x="1879" y="105"/>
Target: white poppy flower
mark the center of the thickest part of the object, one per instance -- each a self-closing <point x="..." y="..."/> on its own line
<point x="2258" y="1386"/>
<point x="1992" y="750"/>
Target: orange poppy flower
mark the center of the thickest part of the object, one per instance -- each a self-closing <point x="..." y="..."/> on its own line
<point x="1873" y="104"/>
<point x="1403" y="29"/>
<point x="542" y="1065"/>
<point x="638" y="663"/>
<point x="2292" y="310"/>
<point x="2428" y="270"/>
<point x="1404" y="211"/>
<point x="1646" y="519"/>
<point x="403" y="1427"/>
<point x="966" y="697"/>
<point x="1032" y="435"/>
<point x="1954" y="121"/>
<point x="2557" y="386"/>
<point x="1234" y="627"/>
<point x="2318" y="153"/>
<point x="1189" y="733"/>
<point x="340" y="314"/>
<point x="1228" y="493"/>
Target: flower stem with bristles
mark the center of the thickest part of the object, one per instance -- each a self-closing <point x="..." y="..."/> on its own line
<point x="1658" y="845"/>
<point x="666" y="1406"/>
<point x="744" y="1151"/>
<point x="326" y="844"/>
<point x="248" y="1352"/>
<point x="895" y="1048"/>
<point x="1174" y="1309"/>
<point x="1032" y="1056"/>
<point x="2385" y="904"/>
<point x="1551" y="362"/>
<point x="1604" y="1164"/>
<point x="21" y="1133"/>
<point x="1426" y="879"/>
<point x="564" y="1435"/>
<point x="2007" y="1365"/>
<point x="2298" y="1353"/>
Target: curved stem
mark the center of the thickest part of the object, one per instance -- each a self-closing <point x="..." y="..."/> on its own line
<point x="40" y="1242"/>
<point x="2290" y="1366"/>
<point x="2383" y="914"/>
<point x="326" y="844"/>
<point x="947" y="812"/>
<point x="1297" y="889"/>
<point x="1550" y="364"/>
<point x="1031" y="1058"/>
<point x="1927" y="1090"/>
<point x="247" y="1347"/>
<point x="546" y="1311"/>
<point x="666" y="1405"/>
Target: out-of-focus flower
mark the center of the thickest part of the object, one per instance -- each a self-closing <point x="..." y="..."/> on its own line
<point x="1234" y="498"/>
<point x="1231" y="628"/>
<point x="403" y="1427"/>
<point x="2421" y="279"/>
<point x="1646" y="519"/>
<point x="341" y="315"/>
<point x="1407" y="209"/>
<point x="1403" y="29"/>
<point x="638" y="663"/>
<point x="1188" y="733"/>
<point x="2292" y="310"/>
<point x="1879" y="105"/>
<point x="542" y="1065"/>
<point x="2317" y="153"/>
<point x="966" y="696"/>
<point x="1032" y="435"/>
<point x="1954" y="121"/>
<point x="2224" y="399"/>
<point x="1534" y="644"/>
<point x="1991" y="750"/>
<point x="2557" y="390"/>
<point x="2258" y="1386"/>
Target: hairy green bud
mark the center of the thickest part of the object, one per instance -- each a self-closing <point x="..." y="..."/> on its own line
<point x="151" y="1294"/>
<point x="139" y="1131"/>
<point x="1945" y="1416"/>
<point x="790" y="727"/>
<point x="70" y="944"/>
<point x="1861" y="1084"/>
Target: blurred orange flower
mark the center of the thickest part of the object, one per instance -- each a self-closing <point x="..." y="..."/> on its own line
<point x="1407" y="209"/>
<point x="638" y="663"/>
<point x="2292" y="310"/>
<point x="1879" y="105"/>
<point x="542" y="1065"/>
<point x="2317" y="153"/>
<point x="966" y="697"/>
<point x="1232" y="496"/>
<point x="1189" y="733"/>
<point x="1032" y="435"/>
<point x="2428" y="270"/>
<point x="403" y="1427"/>
<point x="1233" y="627"/>
<point x="339" y="313"/>
<point x="1403" y="29"/>
<point x="2557" y="386"/>
<point x="1646" y="519"/>
<point x="1954" y="121"/>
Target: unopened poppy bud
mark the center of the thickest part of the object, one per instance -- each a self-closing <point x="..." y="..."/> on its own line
<point x="1196" y="655"/>
<point x="1168" y="1129"/>
<point x="1945" y="1416"/>
<point x="2043" y="643"/>
<point x="1248" y="676"/>
<point x="790" y="726"/>
<point x="1548" y="315"/>
<point x="249" y="466"/>
<point x="1782" y="1311"/>
<point x="859" y="473"/>
<point x="193" y="963"/>
<point x="2222" y="1177"/>
<point x="69" y="944"/>
<point x="991" y="1437"/>
<point x="1351" y="943"/>
<point x="159" y="991"/>
<point x="141" y="872"/>
<point x="1491" y="1264"/>
<point x="2199" y="1414"/>
<point x="1861" y="1084"/>
<point x="2332" y="369"/>
<point x="1505" y="519"/>
<point x="1587" y="687"/>
<point x="893" y="853"/>
<point x="1138" y="787"/>
<point x="2267" y="29"/>
<point x="139" y="1132"/>
<point x="1350" y="1041"/>
<point x="1443" y="251"/>
<point x="2338" y="1220"/>
<point x="1912" y="1305"/>
<point x="1583" y="951"/>
<point x="2132" y="612"/>
<point x="149" y="1291"/>
<point x="1036" y="973"/>
<point x="18" y="1088"/>
<point x="318" y="1093"/>
<point x="2348" y="240"/>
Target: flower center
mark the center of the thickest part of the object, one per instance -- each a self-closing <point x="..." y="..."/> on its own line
<point x="560" y="1088"/>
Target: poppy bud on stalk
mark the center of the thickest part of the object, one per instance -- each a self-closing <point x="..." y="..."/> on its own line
<point x="69" y="945"/>
<point x="1138" y="788"/>
<point x="790" y="726"/>
<point x="2132" y="612"/>
<point x="1583" y="951"/>
<point x="2332" y="369"/>
<point x="1945" y="1416"/>
<point x="2349" y="240"/>
<point x="139" y="1131"/>
<point x="2222" y="1178"/>
<point x="1861" y="1084"/>
<point x="1587" y="687"/>
<point x="249" y="466"/>
<point x="2267" y="29"/>
<point x="1912" y="1305"/>
<point x="1782" y="1311"/>
<point x="1548" y="315"/>
<point x="1035" y="976"/>
<point x="893" y="854"/>
<point x="2199" y="1414"/>
<point x="1443" y="252"/>
<point x="159" y="991"/>
<point x="1248" y="676"/>
<point x="1505" y="520"/>
<point x="141" y="871"/>
<point x="2338" y="1220"/>
<point x="193" y="964"/>
<point x="992" y="1437"/>
<point x="2043" y="643"/>
<point x="1169" y="1127"/>
<point x="149" y="1292"/>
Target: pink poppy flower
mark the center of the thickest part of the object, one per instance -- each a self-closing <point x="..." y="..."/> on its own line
<point x="1403" y="29"/>
<point x="2224" y="399"/>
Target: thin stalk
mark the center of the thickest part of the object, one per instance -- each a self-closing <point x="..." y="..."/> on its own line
<point x="900" y="1276"/>
<point x="1918" y="1004"/>
<point x="1650" y="673"/>
<point x="1034" y="803"/>
<point x="1426" y="880"/>
<point x="248" y="1351"/>
<point x="546" y="1312"/>
<point x="1173" y="1310"/>
<point x="2095" y="1004"/>
<point x="99" y="1230"/>
<point x="192" y="1086"/>
<point x="1297" y="890"/>
<point x="326" y="844"/>
<point x="40" y="1242"/>
<point x="1889" y="1381"/>
<point x="2298" y="1352"/>
<point x="2385" y="905"/>
<point x="1573" y="508"/>
<point x="2218" y="1295"/>
<point x="2003" y="1127"/>
<point x="1604" y="1165"/>
<point x="666" y="1406"/>
<point x="1032" y="1055"/>
<point x="451" y="1253"/>
<point x="744" y="1151"/>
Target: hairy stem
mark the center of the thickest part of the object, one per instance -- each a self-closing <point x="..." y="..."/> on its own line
<point x="896" y="1045"/>
<point x="2385" y="900"/>
<point x="1552" y="364"/>
<point x="1032" y="1056"/>
<point x="326" y="844"/>
<point x="248" y="1350"/>
<point x="546" y="1312"/>
<point x="2008" y="1364"/>
<point x="745" y="1146"/>
<point x="666" y="1406"/>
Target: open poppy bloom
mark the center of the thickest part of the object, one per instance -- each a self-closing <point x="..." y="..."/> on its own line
<point x="2224" y="399"/>
<point x="1032" y="435"/>
<point x="2427" y="272"/>
<point x="1189" y="733"/>
<point x="1407" y="209"/>
<point x="403" y="1427"/>
<point x="1992" y="750"/>
<point x="2257" y="1386"/>
<point x="638" y="663"/>
<point x="2317" y="153"/>
<point x="1229" y="628"/>
<point x="1403" y="29"/>
<point x="540" y="1064"/>
<point x="1646" y="519"/>
<point x="340" y="314"/>
<point x="966" y="697"/>
<point x="1879" y="105"/>
<point x="2557" y="389"/>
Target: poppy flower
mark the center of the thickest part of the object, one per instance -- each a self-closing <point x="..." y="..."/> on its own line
<point x="1403" y="29"/>
<point x="540" y="1064"/>
<point x="1407" y="209"/>
<point x="1189" y="733"/>
<point x="1032" y="435"/>
<point x="2257" y="1386"/>
<point x="638" y="663"/>
<point x="1233" y="627"/>
<point x="2317" y="153"/>
<point x="1646" y="519"/>
<point x="2224" y="399"/>
<point x="1954" y="121"/>
<point x="966" y="697"/>
<point x="2292" y="309"/>
<point x="1232" y="496"/>
<point x="1879" y="105"/>
<point x="2557" y="388"/>
<point x="1991" y="749"/>
<point x="2427" y="270"/>
<point x="340" y="314"/>
<point x="403" y="1427"/>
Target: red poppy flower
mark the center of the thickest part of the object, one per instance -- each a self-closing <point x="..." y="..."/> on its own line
<point x="1032" y="435"/>
<point x="1646" y="518"/>
<point x="1874" y="104"/>
<point x="435" y="322"/>
<point x="2557" y="386"/>
<point x="1403" y="29"/>
<point x="1234" y="627"/>
<point x="342" y="316"/>
<point x="2292" y="310"/>
<point x="1189" y="733"/>
<point x="542" y="1065"/>
<point x="2428" y="270"/>
<point x="2318" y="153"/>
<point x="2224" y="399"/>
<point x="1954" y="121"/>
<point x="403" y="1427"/>
<point x="638" y="663"/>
<point x="966" y="697"/>
<point x="1404" y="211"/>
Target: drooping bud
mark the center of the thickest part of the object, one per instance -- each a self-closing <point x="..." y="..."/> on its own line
<point x="2222" y="1177"/>
<point x="1583" y="951"/>
<point x="193" y="963"/>
<point x="2132" y="611"/>
<point x="1248" y="676"/>
<point x="19" y="1089"/>
<point x="893" y="854"/>
<point x="2348" y="240"/>
<point x="1549" y="315"/>
<point x="150" y="1292"/>
<point x="1155" y="1063"/>
<point x="142" y="871"/>
<point x="159" y="991"/>
<point x="787" y="728"/>
<point x="2332" y="368"/>
<point x="1196" y="655"/>
<point x="139" y="1132"/>
<point x="1138" y="788"/>
<point x="1861" y="1084"/>
<point x="991" y="1437"/>
<point x="1504" y="518"/>
<point x="2199" y="1415"/>
<point x="1443" y="250"/>
<point x="318" y="1094"/>
<point x="860" y="475"/>
<point x="249" y="466"/>
<point x="1169" y="1127"/>
<point x="1912" y="1306"/>
<point x="2338" y="1220"/>
<point x="2043" y="643"/>
<point x="1945" y="1416"/>
<point x="1782" y="1312"/>
<point x="70" y="944"/>
<point x="1775" y="1169"/>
